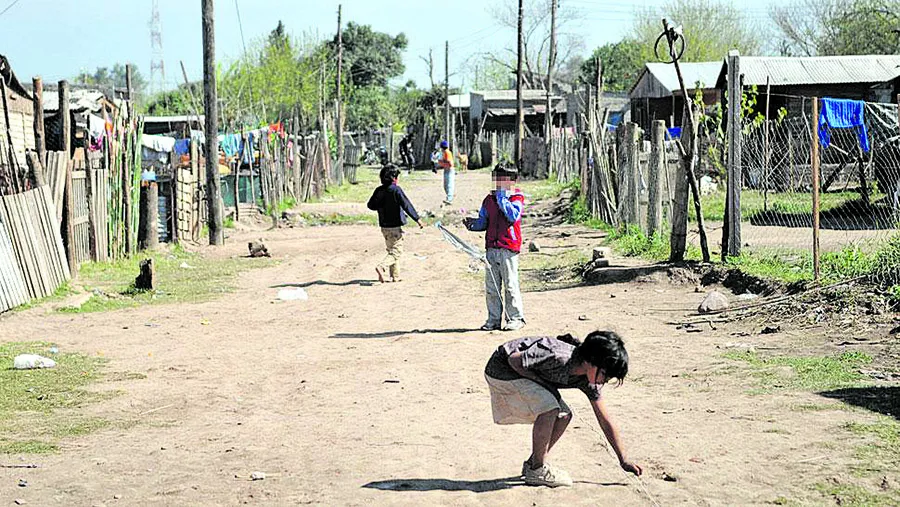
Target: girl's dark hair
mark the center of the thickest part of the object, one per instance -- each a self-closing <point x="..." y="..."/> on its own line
<point x="603" y="349"/>
<point x="388" y="174"/>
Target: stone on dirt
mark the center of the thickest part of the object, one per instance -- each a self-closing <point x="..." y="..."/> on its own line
<point x="257" y="476"/>
<point x="534" y="247"/>
<point x="715" y="301"/>
<point x="258" y="249"/>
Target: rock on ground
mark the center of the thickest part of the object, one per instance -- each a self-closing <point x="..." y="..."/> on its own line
<point x="714" y="301"/>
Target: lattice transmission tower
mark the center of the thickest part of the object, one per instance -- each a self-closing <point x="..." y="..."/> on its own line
<point x="157" y="64"/>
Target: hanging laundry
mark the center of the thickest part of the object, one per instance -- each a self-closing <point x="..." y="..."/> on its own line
<point x="198" y="135"/>
<point x="158" y="143"/>
<point x="842" y="113"/>
<point x="183" y="146"/>
<point x="230" y="144"/>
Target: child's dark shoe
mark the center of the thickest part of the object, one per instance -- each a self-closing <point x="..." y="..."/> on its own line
<point x="489" y="326"/>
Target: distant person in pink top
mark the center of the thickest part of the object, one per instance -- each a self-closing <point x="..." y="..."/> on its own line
<point x="500" y="217"/>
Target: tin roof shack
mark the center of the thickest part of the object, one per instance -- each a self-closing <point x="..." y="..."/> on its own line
<point x="657" y="93"/>
<point x="615" y="103"/>
<point x="20" y="106"/>
<point x="872" y="78"/>
<point x="90" y="110"/>
<point x="176" y="126"/>
<point x="495" y="110"/>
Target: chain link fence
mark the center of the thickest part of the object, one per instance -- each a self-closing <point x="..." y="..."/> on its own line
<point x="858" y="193"/>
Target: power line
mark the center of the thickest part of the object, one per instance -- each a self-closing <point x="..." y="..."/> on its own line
<point x="8" y="7"/>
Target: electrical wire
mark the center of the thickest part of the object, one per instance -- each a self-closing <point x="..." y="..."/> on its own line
<point x="8" y="7"/>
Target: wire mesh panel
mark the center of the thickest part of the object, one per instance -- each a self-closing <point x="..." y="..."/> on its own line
<point x="858" y="178"/>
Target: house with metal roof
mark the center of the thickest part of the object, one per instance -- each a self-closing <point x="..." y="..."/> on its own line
<point x="656" y="95"/>
<point x="790" y="81"/>
<point x="19" y="108"/>
<point x="492" y="110"/>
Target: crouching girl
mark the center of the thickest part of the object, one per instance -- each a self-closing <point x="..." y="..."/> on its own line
<point x="525" y="375"/>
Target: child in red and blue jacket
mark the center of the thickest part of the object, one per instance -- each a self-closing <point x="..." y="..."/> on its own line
<point x="500" y="217"/>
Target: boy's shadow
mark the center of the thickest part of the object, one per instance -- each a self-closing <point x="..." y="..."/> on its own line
<point x="456" y="485"/>
<point x="363" y="283"/>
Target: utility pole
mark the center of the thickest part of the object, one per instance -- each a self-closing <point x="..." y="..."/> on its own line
<point x="339" y="124"/>
<point x="551" y="61"/>
<point x="520" y="116"/>
<point x="210" y="98"/>
<point x="447" y="91"/>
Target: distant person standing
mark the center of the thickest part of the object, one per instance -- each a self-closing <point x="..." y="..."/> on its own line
<point x="445" y="162"/>
<point x="406" y="152"/>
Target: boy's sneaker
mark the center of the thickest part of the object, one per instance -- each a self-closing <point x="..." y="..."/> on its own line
<point x="514" y="325"/>
<point x="488" y="326"/>
<point x="547" y="476"/>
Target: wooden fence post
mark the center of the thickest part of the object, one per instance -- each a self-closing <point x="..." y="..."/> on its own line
<point x="148" y="231"/>
<point x="630" y="182"/>
<point x="89" y="196"/>
<point x="40" y="142"/>
<point x="654" y="179"/>
<point x="69" y="197"/>
<point x="732" y="231"/>
<point x="814" y="158"/>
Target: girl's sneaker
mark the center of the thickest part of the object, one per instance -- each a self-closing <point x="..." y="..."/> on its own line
<point x="547" y="476"/>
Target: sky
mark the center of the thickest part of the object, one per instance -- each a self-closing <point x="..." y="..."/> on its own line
<point x="57" y="39"/>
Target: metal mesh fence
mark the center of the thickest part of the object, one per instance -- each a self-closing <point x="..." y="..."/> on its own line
<point x="858" y="192"/>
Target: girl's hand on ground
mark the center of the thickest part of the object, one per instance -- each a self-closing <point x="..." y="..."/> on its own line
<point x="633" y="468"/>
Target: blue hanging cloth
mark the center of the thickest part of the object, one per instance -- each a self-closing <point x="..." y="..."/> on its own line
<point x="842" y="113"/>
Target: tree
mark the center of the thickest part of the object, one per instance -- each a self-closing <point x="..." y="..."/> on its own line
<point x="711" y="29"/>
<point x="370" y="57"/>
<point x="536" y="34"/>
<point x="276" y="74"/>
<point x="838" y="27"/>
<point x="109" y="80"/>
<point x="622" y="63"/>
<point x="490" y="74"/>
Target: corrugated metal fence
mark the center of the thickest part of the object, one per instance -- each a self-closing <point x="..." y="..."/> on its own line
<point x="32" y="259"/>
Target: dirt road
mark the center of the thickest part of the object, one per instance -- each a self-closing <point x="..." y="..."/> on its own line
<point x="370" y="394"/>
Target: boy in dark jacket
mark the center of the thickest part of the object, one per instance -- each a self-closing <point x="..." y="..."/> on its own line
<point x="500" y="218"/>
<point x="392" y="206"/>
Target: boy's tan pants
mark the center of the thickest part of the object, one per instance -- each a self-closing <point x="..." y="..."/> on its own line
<point x="393" y="241"/>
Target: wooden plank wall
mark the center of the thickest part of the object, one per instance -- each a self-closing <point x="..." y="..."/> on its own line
<point x="56" y="179"/>
<point x="100" y="178"/>
<point x="21" y="128"/>
<point x="12" y="286"/>
<point x="33" y="232"/>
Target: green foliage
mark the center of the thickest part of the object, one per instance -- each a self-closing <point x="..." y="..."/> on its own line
<point x="276" y="74"/>
<point x="490" y="74"/>
<point x="852" y="495"/>
<point x="632" y="242"/>
<point x="173" y="102"/>
<point x="31" y="400"/>
<point x="711" y="29"/>
<point x="885" y="266"/>
<point x="838" y="27"/>
<point x="805" y="373"/>
<point x="202" y="280"/>
<point x="370" y="57"/>
<point x="108" y="79"/>
<point x="622" y="64"/>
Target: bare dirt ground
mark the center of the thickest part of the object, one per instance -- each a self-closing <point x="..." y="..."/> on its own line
<point x="370" y="394"/>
